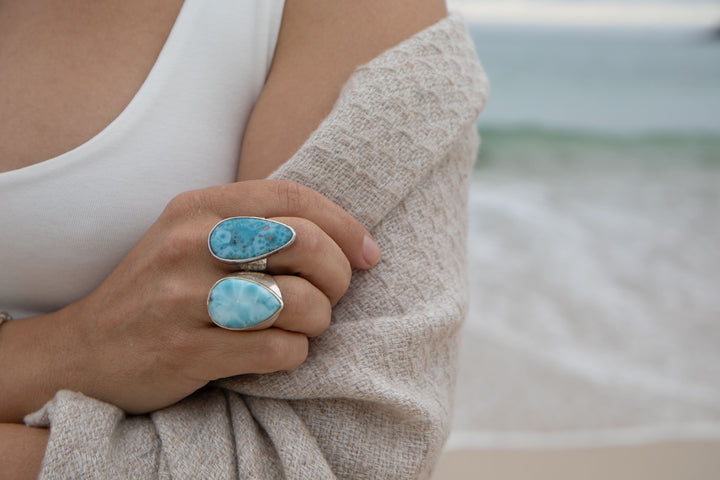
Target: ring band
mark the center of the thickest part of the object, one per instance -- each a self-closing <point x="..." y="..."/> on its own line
<point x="242" y="241"/>
<point x="245" y="301"/>
<point x="255" y="266"/>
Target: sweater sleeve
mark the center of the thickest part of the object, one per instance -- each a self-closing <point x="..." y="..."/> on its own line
<point x="373" y="399"/>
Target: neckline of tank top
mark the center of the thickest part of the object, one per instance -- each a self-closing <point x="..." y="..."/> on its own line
<point x="168" y="50"/>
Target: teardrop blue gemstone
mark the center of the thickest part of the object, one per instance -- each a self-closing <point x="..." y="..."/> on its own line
<point x="239" y="303"/>
<point x="245" y="239"/>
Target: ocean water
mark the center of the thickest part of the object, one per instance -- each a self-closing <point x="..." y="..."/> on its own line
<point x="594" y="245"/>
<point x="616" y="80"/>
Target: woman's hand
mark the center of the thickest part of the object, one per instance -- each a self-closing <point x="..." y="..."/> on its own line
<point x="143" y="339"/>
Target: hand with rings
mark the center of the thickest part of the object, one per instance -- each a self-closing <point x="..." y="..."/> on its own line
<point x="269" y="258"/>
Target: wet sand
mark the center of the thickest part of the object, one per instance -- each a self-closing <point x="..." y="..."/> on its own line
<point x="667" y="461"/>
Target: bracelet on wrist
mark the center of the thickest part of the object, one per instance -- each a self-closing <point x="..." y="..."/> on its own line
<point x="4" y="316"/>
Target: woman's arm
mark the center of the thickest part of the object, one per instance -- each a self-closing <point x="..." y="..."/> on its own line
<point x="21" y="451"/>
<point x="372" y="399"/>
<point x="321" y="42"/>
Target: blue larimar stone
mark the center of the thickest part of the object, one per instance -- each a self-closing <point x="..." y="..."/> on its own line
<point x="239" y="303"/>
<point x="245" y="239"/>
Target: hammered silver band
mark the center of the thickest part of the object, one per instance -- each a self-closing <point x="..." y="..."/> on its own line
<point x="254" y="266"/>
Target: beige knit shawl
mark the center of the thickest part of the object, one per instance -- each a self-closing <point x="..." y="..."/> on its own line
<point x="373" y="400"/>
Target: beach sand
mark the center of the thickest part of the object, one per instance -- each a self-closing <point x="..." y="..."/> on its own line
<point x="667" y="461"/>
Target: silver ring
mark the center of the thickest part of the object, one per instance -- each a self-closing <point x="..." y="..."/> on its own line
<point x="5" y="317"/>
<point x="246" y="242"/>
<point x="245" y="301"/>
<point x="256" y="266"/>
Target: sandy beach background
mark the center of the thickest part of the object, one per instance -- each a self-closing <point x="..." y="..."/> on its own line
<point x="593" y="338"/>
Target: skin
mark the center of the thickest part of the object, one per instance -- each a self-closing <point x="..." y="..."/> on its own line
<point x="55" y="56"/>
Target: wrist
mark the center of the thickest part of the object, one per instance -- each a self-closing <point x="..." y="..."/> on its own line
<point x="36" y="356"/>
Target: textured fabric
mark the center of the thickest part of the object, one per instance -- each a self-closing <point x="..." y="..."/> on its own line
<point x="373" y="399"/>
<point x="68" y="221"/>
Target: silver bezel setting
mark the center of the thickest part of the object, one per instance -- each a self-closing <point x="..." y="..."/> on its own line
<point x="264" y="280"/>
<point x="252" y="260"/>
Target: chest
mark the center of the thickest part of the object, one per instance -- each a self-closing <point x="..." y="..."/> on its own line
<point x="67" y="69"/>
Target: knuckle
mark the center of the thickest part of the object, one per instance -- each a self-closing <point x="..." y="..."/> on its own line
<point x="283" y="351"/>
<point x="346" y="275"/>
<point x="291" y="195"/>
<point x="298" y="354"/>
<point x="340" y="283"/>
<point x="295" y="302"/>
<point x="179" y="346"/>
<point x="309" y="308"/>
<point x="174" y="294"/>
<point x="313" y="242"/>
<point x="322" y="318"/>
<point x="271" y="351"/>
<point x="185" y="204"/>
<point x="180" y="244"/>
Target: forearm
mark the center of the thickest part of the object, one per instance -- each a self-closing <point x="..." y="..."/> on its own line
<point x="37" y="359"/>
<point x="22" y="451"/>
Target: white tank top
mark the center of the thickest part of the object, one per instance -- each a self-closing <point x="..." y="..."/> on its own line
<point x="65" y="223"/>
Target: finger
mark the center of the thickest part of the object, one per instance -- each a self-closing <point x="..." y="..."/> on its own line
<point x="274" y="198"/>
<point x="226" y="354"/>
<point x="307" y="310"/>
<point x="315" y="257"/>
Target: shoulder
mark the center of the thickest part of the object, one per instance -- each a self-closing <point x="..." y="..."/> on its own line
<point x="320" y="44"/>
<point x="351" y="32"/>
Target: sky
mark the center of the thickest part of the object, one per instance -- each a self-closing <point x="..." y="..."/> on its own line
<point x="627" y="13"/>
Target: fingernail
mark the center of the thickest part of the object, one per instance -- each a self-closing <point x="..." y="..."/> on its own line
<point x="371" y="251"/>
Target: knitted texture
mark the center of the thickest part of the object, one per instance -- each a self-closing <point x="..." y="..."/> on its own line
<point x="373" y="400"/>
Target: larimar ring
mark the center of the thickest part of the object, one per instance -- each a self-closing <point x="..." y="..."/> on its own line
<point x="247" y="241"/>
<point x="245" y="301"/>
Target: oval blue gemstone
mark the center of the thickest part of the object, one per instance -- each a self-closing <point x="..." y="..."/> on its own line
<point x="239" y="303"/>
<point x="245" y="239"/>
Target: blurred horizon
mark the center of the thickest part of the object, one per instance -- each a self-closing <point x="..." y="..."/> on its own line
<point x="628" y="68"/>
<point x="613" y="13"/>
<point x="627" y="82"/>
